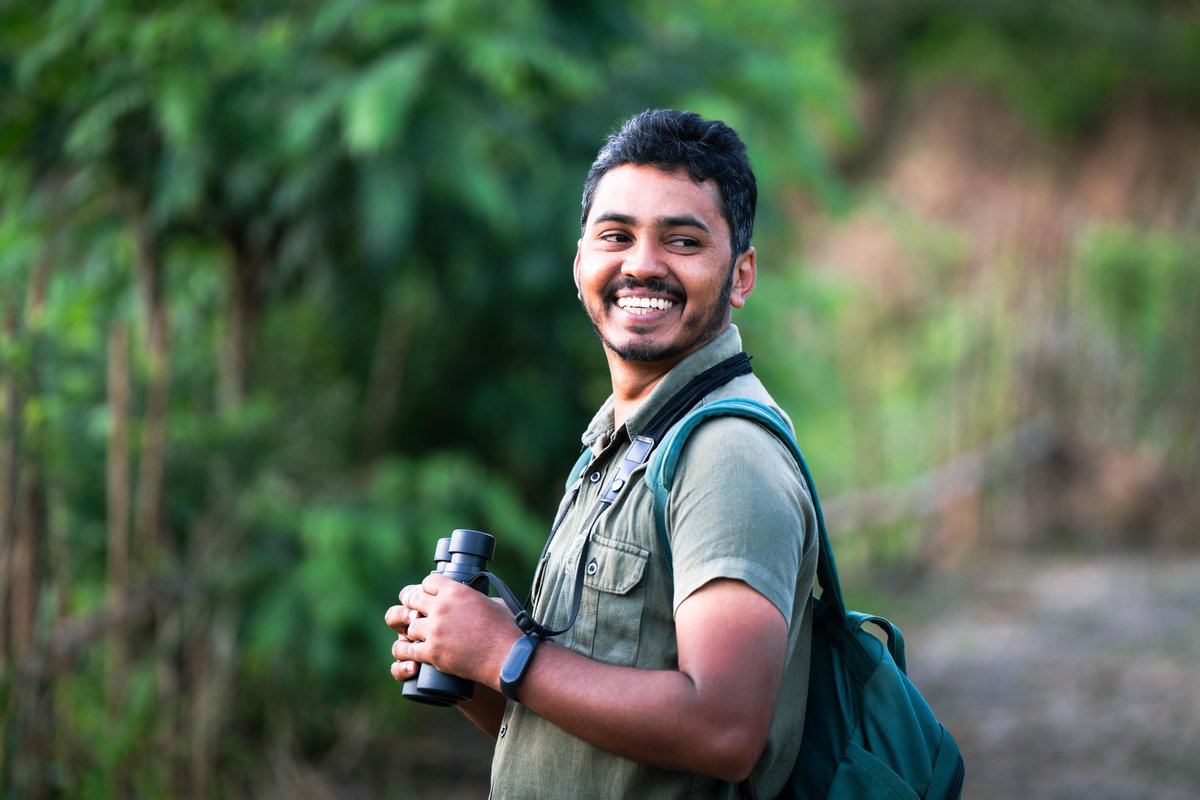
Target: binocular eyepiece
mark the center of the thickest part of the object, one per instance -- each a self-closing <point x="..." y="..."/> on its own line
<point x="461" y="556"/>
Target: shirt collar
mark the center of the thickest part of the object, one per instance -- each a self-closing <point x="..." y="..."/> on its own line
<point x="727" y="344"/>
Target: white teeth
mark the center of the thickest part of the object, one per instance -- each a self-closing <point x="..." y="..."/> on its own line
<point x="640" y="305"/>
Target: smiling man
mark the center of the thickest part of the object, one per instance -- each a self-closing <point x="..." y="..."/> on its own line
<point x="676" y="669"/>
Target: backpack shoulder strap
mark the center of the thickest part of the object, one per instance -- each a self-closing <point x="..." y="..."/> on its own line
<point x="660" y="473"/>
<point x="576" y="472"/>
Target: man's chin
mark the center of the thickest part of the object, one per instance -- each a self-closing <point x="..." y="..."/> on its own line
<point x="643" y="351"/>
<point x="644" y="355"/>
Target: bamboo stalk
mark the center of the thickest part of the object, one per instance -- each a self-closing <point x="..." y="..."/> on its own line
<point x="118" y="472"/>
<point x="8" y="488"/>
<point x="153" y="451"/>
<point x="29" y="499"/>
<point x="25" y="572"/>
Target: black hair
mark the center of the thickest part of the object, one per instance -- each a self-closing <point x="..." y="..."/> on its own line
<point x="670" y="140"/>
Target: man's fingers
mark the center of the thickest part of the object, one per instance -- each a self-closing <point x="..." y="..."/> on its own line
<point x="401" y="649"/>
<point x="412" y="605"/>
<point x="397" y="618"/>
<point x="432" y="582"/>
<point x="403" y="670"/>
<point x="417" y="599"/>
<point x="400" y="618"/>
<point x="404" y="649"/>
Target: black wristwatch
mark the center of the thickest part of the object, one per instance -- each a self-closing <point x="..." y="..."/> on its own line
<point x="515" y="665"/>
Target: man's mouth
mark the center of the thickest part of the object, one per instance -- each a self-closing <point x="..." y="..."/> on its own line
<point x="644" y="305"/>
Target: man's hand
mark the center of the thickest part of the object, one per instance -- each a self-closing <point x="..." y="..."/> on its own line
<point x="453" y="627"/>
<point x="419" y="639"/>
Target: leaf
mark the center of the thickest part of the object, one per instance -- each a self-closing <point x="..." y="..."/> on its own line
<point x="92" y="133"/>
<point x="180" y="105"/>
<point x="377" y="107"/>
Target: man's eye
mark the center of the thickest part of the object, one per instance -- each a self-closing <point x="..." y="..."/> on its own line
<point x="685" y="241"/>
<point x="616" y="237"/>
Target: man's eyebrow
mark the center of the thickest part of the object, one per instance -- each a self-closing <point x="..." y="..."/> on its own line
<point x="682" y="221"/>
<point x="613" y="216"/>
<point x="672" y="221"/>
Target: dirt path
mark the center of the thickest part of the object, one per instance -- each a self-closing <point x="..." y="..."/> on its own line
<point x="1066" y="677"/>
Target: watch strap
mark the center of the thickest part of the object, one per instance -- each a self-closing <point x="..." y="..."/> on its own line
<point x="516" y="663"/>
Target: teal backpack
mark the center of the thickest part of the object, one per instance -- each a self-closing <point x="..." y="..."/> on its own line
<point x="868" y="733"/>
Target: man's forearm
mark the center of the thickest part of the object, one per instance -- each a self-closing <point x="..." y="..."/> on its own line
<point x="657" y="717"/>
<point x="710" y="715"/>
<point x="485" y="709"/>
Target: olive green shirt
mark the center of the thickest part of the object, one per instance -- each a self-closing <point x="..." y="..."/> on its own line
<point x="738" y="509"/>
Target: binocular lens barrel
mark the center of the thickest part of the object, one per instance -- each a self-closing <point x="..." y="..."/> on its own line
<point x="460" y="557"/>
<point x="441" y="554"/>
<point x="470" y="552"/>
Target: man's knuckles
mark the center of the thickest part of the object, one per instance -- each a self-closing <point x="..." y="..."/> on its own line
<point x="397" y="618"/>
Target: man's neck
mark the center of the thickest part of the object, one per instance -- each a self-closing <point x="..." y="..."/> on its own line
<point x="632" y="383"/>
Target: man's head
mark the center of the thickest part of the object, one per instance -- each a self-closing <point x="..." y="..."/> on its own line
<point x="664" y="252"/>
<point x="680" y="140"/>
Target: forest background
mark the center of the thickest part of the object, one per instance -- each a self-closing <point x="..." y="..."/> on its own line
<point x="285" y="296"/>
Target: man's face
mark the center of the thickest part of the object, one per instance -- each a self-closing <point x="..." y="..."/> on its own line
<point x="654" y="265"/>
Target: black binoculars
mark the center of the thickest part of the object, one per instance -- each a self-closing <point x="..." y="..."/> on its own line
<point x="461" y="557"/>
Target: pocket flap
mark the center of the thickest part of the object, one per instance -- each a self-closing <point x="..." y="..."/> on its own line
<point x="614" y="566"/>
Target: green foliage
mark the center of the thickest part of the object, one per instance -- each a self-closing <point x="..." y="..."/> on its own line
<point x="359" y="220"/>
<point x="323" y="567"/>
<point x="1062" y="64"/>
<point x="1142" y="289"/>
<point x="1143" y="285"/>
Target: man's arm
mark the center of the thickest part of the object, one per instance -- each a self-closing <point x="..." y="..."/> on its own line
<point x="711" y="716"/>
<point x="485" y="709"/>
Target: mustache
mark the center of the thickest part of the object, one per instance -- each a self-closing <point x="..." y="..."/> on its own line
<point x="655" y="285"/>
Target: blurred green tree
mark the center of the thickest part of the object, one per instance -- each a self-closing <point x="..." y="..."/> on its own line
<point x="286" y="297"/>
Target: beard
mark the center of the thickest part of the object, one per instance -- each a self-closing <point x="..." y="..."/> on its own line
<point x="703" y="330"/>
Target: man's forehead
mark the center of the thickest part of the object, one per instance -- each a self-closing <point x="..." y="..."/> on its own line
<point x="645" y="193"/>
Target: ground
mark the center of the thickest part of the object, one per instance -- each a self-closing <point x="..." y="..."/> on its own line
<point x="1067" y="676"/>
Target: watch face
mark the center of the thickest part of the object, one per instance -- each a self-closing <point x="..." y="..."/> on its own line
<point x="514" y="666"/>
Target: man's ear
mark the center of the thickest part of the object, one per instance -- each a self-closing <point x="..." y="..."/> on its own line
<point x="745" y="271"/>
<point x="575" y="268"/>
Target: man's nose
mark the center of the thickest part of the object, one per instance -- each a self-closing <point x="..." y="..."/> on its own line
<point x="645" y="260"/>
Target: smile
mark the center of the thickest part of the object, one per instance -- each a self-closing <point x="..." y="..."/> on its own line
<point x="644" y="305"/>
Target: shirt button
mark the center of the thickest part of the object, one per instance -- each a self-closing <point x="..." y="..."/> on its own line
<point x="594" y="477"/>
<point x="592" y="568"/>
<point x="503" y="730"/>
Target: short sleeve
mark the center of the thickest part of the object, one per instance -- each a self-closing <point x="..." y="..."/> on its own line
<point x="738" y="509"/>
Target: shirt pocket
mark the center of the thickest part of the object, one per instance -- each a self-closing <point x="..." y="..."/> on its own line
<point x="614" y="596"/>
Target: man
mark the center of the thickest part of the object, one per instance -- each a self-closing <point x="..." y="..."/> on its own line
<point x="683" y="673"/>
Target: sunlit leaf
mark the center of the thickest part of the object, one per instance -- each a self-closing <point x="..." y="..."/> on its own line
<point x="377" y="106"/>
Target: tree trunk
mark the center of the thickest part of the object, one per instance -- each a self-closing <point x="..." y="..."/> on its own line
<point x="154" y="442"/>
<point x="208" y="647"/>
<point x="26" y="566"/>
<point x="243" y="310"/>
<point x="118" y="504"/>
<point x="8" y="487"/>
<point x="30" y="502"/>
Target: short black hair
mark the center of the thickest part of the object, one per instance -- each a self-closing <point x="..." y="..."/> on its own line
<point x="669" y="140"/>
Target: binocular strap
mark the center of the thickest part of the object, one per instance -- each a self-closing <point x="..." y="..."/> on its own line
<point x="636" y="455"/>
